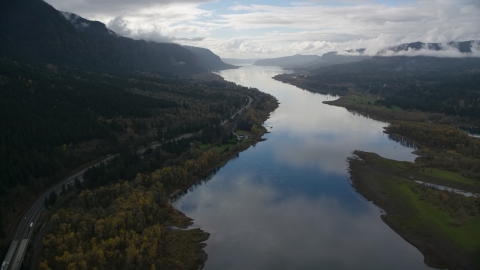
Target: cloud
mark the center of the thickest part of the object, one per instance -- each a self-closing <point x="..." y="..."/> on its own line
<point x="447" y="50"/>
<point x="244" y="46"/>
<point x="157" y="33"/>
<point x="373" y="26"/>
<point x="121" y="26"/>
<point x="190" y="39"/>
<point x="266" y="30"/>
<point x="114" y="8"/>
<point x="256" y="225"/>
<point x="160" y="21"/>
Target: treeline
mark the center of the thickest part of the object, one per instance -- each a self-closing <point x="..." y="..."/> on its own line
<point x="448" y="148"/>
<point x="461" y="208"/>
<point x="457" y="95"/>
<point x="54" y="119"/>
<point x="44" y="109"/>
<point x="438" y="136"/>
<point x="128" y="164"/>
<point x="438" y="85"/>
<point x="122" y="217"/>
<point x="123" y="224"/>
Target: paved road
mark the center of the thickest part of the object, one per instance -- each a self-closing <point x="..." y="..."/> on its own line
<point x="24" y="230"/>
<point x="239" y="111"/>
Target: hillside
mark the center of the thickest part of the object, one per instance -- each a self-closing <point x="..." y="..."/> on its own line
<point x="236" y="61"/>
<point x="287" y="61"/>
<point x="207" y="59"/>
<point x="463" y="47"/>
<point x="82" y="92"/>
<point x="68" y="40"/>
<point x="332" y="58"/>
<point x="431" y="84"/>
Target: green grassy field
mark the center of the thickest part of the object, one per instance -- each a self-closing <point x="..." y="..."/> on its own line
<point x="242" y="132"/>
<point x="445" y="178"/>
<point x="222" y="147"/>
<point x="443" y="225"/>
<point x="203" y="146"/>
<point x="365" y="104"/>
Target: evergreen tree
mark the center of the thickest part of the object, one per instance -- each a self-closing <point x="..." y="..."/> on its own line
<point x="52" y="198"/>
<point x="2" y="229"/>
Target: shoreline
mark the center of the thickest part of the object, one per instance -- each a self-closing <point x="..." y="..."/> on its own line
<point x="411" y="212"/>
<point x="218" y="165"/>
<point x="192" y="239"/>
<point x="441" y="244"/>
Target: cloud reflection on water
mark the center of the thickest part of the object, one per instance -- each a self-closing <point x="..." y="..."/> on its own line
<point x="253" y="226"/>
<point x="310" y="133"/>
<point x="286" y="203"/>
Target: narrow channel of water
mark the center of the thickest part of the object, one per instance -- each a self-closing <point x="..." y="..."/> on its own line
<point x="287" y="203"/>
<point x="440" y="187"/>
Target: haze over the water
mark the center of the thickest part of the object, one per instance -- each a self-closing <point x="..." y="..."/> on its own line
<point x="266" y="29"/>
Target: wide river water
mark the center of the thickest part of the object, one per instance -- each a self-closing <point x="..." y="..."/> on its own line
<point x="288" y="203"/>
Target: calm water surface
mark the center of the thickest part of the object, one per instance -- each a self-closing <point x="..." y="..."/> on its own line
<point x="287" y="203"/>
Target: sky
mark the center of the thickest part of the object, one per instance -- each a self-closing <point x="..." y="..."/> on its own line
<point x="266" y="29"/>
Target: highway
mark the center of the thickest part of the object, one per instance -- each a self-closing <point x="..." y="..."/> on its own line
<point x="239" y="111"/>
<point x="24" y="231"/>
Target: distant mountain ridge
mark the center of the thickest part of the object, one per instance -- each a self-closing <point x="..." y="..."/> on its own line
<point x="307" y="62"/>
<point x="413" y="49"/>
<point x="465" y="47"/>
<point x="333" y="58"/>
<point x="287" y="61"/>
<point x="94" y="28"/>
<point x="402" y="65"/>
<point x="207" y="59"/>
<point x="238" y="61"/>
<point x="33" y="31"/>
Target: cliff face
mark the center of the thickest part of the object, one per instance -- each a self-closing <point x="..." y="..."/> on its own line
<point x="33" y="31"/>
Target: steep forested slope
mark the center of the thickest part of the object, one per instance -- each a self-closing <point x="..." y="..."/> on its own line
<point x="432" y="84"/>
<point x="207" y="59"/>
<point x="34" y="32"/>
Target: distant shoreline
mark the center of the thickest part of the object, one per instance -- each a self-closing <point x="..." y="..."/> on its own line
<point x="372" y="176"/>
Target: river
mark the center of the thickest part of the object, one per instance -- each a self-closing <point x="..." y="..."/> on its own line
<point x="288" y="203"/>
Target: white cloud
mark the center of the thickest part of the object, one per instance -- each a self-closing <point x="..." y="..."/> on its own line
<point x="266" y="30"/>
<point x="115" y="8"/>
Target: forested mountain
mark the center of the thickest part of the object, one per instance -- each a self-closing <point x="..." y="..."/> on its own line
<point x="461" y="47"/>
<point x="235" y="61"/>
<point x="431" y="84"/>
<point x="308" y="62"/>
<point x="332" y="58"/>
<point x="287" y="61"/>
<point x="32" y="31"/>
<point x="208" y="60"/>
<point x="56" y="119"/>
<point x="72" y="91"/>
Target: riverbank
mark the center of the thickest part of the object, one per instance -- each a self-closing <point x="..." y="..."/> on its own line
<point x="301" y="81"/>
<point x="134" y="217"/>
<point x="229" y="151"/>
<point x="441" y="230"/>
<point x="448" y="158"/>
<point x="436" y="222"/>
<point x="443" y="225"/>
<point x="363" y="103"/>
